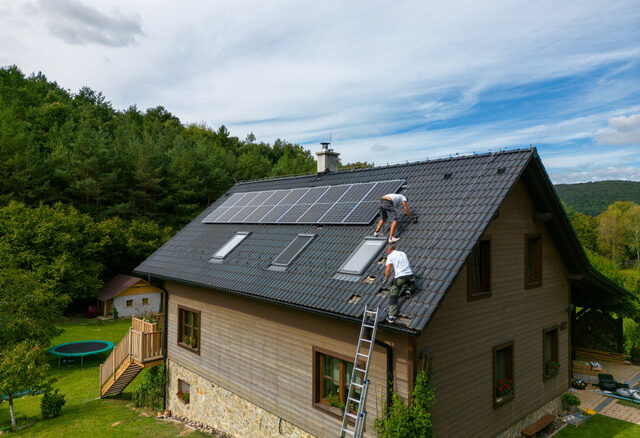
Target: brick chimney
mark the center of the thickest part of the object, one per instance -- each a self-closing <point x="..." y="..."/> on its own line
<point x="327" y="159"/>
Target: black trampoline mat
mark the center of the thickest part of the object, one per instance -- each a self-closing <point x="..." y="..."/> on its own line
<point x="82" y="347"/>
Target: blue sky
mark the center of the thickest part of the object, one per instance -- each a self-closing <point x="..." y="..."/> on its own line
<point x="388" y="81"/>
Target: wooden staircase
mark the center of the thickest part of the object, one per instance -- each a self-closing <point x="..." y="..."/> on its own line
<point x="140" y="348"/>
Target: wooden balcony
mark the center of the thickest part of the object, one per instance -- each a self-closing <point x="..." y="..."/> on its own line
<point x="140" y="348"/>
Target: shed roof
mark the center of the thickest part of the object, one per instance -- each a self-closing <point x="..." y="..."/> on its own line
<point x="116" y="285"/>
<point x="453" y="213"/>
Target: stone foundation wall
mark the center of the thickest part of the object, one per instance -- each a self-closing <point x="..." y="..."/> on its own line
<point x="223" y="410"/>
<point x="552" y="407"/>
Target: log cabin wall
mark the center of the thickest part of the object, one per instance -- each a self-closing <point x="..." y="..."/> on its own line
<point x="462" y="334"/>
<point x="264" y="353"/>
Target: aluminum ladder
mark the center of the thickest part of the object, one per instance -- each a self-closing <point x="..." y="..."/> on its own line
<point x="369" y="325"/>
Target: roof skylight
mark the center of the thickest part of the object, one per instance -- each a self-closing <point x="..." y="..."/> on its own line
<point x="293" y="250"/>
<point x="230" y="245"/>
<point x="362" y="256"/>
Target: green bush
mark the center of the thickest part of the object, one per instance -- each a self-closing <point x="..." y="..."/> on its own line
<point x="334" y="400"/>
<point x="51" y="404"/>
<point x="150" y="394"/>
<point x="412" y="420"/>
<point x="569" y="400"/>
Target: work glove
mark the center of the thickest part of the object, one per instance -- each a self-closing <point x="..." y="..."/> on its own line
<point x="414" y="220"/>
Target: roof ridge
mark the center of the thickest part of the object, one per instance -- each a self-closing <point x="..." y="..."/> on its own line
<point x="386" y="166"/>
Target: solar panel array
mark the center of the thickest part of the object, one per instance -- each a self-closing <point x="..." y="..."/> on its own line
<point x="340" y="204"/>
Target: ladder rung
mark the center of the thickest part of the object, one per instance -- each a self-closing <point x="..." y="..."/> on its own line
<point x="356" y="384"/>
<point x="369" y="326"/>
<point x="366" y="340"/>
<point x="354" y="400"/>
<point x="362" y="354"/>
<point x="350" y="432"/>
<point x="372" y="311"/>
<point x="355" y="417"/>
<point x="359" y="369"/>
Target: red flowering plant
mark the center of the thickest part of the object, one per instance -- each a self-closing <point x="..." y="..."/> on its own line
<point x="552" y="366"/>
<point x="504" y="388"/>
<point x="183" y="396"/>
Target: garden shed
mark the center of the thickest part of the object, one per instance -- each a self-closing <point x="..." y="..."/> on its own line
<point x="128" y="296"/>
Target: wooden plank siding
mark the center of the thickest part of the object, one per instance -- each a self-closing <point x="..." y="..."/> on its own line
<point x="263" y="353"/>
<point x="141" y="287"/>
<point x="462" y="333"/>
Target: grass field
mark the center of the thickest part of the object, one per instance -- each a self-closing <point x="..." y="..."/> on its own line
<point x="84" y="415"/>
<point x="600" y="426"/>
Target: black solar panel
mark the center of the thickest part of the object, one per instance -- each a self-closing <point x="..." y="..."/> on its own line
<point x="292" y="215"/>
<point x="314" y="213"/>
<point x="258" y="200"/>
<point x="293" y="249"/>
<point x="215" y="214"/>
<point x="294" y="196"/>
<point x="312" y="195"/>
<point x="363" y="213"/>
<point x="338" y="212"/>
<point x="276" y="197"/>
<point x="356" y="192"/>
<point x="246" y="200"/>
<point x="257" y="214"/>
<point x="382" y="188"/>
<point x="231" y="212"/>
<point x="232" y="199"/>
<point x="275" y="213"/>
<point x="340" y="204"/>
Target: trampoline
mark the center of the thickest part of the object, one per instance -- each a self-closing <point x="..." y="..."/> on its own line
<point x="80" y="349"/>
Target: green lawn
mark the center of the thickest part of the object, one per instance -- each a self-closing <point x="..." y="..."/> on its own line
<point x="600" y="426"/>
<point x="84" y="414"/>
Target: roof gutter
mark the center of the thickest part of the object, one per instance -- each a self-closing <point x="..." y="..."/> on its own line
<point x="358" y="320"/>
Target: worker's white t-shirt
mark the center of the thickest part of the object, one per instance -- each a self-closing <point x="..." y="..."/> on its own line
<point x="396" y="198"/>
<point x="400" y="263"/>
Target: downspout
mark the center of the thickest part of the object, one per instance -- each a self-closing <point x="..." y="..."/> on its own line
<point x="165" y="341"/>
<point x="389" y="349"/>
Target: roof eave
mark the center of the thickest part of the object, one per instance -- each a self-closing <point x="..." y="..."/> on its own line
<point x="386" y="327"/>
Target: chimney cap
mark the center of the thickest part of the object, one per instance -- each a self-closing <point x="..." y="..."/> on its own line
<point x="325" y="145"/>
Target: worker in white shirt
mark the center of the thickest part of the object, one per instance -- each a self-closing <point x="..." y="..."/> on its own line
<point x="388" y="205"/>
<point x="403" y="278"/>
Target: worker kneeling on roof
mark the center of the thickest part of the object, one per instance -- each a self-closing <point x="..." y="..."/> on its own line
<point x="388" y="205"/>
<point x="403" y="278"/>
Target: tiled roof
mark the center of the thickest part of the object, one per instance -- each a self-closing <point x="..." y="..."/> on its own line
<point x="453" y="213"/>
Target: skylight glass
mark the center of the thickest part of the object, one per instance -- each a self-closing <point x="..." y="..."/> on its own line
<point x="293" y="249"/>
<point x="362" y="256"/>
<point x="230" y="245"/>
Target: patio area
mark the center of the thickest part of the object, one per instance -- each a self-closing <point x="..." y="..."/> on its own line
<point x="609" y="406"/>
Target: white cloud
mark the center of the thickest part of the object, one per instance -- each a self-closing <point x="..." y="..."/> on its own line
<point x="622" y="130"/>
<point x="373" y="74"/>
<point x="76" y="23"/>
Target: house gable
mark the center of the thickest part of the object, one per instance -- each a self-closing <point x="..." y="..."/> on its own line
<point x="462" y="334"/>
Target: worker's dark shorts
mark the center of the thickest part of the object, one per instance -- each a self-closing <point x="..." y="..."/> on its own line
<point x="387" y="210"/>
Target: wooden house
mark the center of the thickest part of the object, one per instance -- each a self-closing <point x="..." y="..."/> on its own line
<point x="266" y="289"/>
<point x="128" y="296"/>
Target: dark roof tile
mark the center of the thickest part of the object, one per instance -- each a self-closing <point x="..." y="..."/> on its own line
<point x="452" y="213"/>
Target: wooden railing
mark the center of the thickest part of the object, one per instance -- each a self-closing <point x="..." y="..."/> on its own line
<point x="138" y="345"/>
<point x="119" y="353"/>
<point x="144" y="326"/>
<point x="146" y="347"/>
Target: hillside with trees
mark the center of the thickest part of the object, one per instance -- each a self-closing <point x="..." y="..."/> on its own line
<point x="88" y="191"/>
<point x="593" y="198"/>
